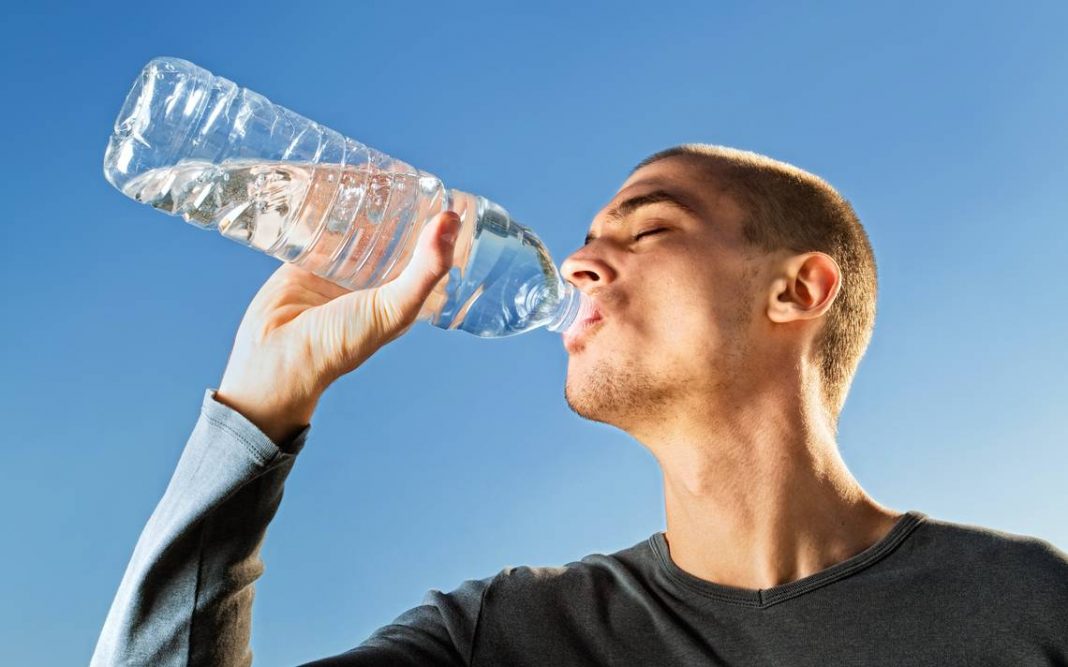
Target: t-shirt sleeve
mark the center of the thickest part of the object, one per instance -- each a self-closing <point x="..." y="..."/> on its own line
<point x="440" y="631"/>
<point x="186" y="595"/>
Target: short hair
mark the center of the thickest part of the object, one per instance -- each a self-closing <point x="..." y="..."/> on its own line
<point x="789" y="208"/>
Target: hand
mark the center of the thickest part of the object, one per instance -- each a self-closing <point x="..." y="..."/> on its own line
<point x="302" y="332"/>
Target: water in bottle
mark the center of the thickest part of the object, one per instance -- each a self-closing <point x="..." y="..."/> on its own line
<point x="193" y="144"/>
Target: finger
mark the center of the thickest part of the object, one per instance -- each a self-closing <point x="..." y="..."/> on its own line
<point x="404" y="296"/>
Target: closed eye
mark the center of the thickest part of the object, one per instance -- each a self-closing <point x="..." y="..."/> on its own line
<point x="649" y="232"/>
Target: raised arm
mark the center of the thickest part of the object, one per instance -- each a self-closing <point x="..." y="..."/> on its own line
<point x="186" y="595"/>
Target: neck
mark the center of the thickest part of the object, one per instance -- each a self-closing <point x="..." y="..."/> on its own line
<point x="757" y="495"/>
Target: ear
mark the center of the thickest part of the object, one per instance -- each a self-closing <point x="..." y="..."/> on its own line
<point x="806" y="287"/>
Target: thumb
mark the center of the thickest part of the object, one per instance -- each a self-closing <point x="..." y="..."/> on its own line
<point x="402" y="298"/>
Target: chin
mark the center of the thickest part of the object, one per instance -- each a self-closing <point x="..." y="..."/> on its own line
<point x="589" y="392"/>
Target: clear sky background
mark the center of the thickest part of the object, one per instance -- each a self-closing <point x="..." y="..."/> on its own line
<point x="448" y="456"/>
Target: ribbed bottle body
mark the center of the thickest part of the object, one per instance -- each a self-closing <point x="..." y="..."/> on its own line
<point x="222" y="157"/>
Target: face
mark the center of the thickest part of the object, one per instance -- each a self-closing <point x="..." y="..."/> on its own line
<point x="674" y="289"/>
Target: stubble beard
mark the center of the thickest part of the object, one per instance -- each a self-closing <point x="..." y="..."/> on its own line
<point x="620" y="393"/>
<point x="628" y="394"/>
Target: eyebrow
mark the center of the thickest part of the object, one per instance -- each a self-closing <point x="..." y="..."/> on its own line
<point x="629" y="206"/>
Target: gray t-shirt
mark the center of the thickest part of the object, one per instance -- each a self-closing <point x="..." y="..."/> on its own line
<point x="929" y="593"/>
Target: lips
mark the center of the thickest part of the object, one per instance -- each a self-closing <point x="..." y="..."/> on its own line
<point x="580" y="328"/>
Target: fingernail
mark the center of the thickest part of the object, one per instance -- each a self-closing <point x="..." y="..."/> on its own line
<point x="453" y="227"/>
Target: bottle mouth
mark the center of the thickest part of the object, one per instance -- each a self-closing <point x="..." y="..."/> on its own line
<point x="571" y="306"/>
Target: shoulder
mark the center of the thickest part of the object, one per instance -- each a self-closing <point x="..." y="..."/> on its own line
<point x="594" y="571"/>
<point x="997" y="557"/>
<point x="988" y="540"/>
<point x="525" y="584"/>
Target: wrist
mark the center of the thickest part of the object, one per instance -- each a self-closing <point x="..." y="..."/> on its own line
<point x="281" y="426"/>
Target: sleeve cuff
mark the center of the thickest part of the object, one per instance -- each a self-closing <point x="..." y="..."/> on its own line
<point x="265" y="449"/>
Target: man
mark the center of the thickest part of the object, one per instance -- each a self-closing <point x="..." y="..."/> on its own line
<point x="734" y="298"/>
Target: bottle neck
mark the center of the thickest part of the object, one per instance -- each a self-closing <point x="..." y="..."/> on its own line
<point x="571" y="304"/>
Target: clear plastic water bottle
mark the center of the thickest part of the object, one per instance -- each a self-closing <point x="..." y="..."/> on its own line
<point x="223" y="157"/>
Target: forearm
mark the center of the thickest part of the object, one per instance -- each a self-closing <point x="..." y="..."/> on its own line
<point x="186" y="595"/>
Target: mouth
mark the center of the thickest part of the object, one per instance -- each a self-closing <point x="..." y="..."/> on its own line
<point x="580" y="330"/>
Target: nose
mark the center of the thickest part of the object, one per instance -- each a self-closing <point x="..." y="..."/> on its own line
<point x="587" y="271"/>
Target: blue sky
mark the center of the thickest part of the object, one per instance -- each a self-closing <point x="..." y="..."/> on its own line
<point x="446" y="456"/>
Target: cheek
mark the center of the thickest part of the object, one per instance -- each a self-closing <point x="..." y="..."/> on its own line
<point x="689" y="305"/>
<point x="697" y="318"/>
<point x="686" y="323"/>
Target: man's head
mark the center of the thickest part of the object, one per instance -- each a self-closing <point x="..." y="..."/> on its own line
<point x="759" y="271"/>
